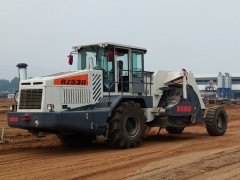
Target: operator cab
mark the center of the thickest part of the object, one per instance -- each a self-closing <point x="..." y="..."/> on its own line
<point x="122" y="66"/>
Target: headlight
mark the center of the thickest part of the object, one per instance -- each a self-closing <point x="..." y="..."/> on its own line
<point x="11" y="108"/>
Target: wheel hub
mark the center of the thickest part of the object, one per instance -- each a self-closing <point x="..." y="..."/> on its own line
<point x="132" y="125"/>
<point x="219" y="122"/>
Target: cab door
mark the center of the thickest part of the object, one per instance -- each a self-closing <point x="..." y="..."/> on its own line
<point x="122" y="69"/>
<point x="137" y="72"/>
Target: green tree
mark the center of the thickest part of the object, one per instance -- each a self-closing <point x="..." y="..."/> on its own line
<point x="11" y="86"/>
<point x="4" y="85"/>
<point x="14" y="84"/>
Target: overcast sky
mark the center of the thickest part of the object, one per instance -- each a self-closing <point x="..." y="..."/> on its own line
<point x="200" y="35"/>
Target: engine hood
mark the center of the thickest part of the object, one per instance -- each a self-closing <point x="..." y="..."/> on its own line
<point x="60" y="79"/>
<point x="66" y="90"/>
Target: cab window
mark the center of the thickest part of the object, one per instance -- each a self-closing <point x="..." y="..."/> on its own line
<point x="103" y="59"/>
<point x="137" y="64"/>
<point x="84" y="56"/>
<point x="123" y="71"/>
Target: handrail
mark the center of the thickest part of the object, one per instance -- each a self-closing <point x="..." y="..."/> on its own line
<point x="145" y="79"/>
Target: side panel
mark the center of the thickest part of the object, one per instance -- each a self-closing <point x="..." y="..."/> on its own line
<point x="47" y="121"/>
<point x="144" y="101"/>
<point x="138" y="84"/>
<point x="89" y="122"/>
<point x="53" y="96"/>
<point x="84" y="122"/>
<point x="184" y="108"/>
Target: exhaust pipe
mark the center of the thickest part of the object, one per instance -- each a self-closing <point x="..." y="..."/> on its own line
<point x="22" y="71"/>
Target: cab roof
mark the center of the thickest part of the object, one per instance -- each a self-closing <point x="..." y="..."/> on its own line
<point x="104" y="44"/>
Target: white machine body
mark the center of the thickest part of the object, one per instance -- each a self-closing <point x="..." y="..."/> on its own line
<point x="162" y="79"/>
<point x="61" y="91"/>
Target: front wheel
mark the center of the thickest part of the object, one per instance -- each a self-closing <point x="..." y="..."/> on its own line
<point x="126" y="126"/>
<point x="216" y="121"/>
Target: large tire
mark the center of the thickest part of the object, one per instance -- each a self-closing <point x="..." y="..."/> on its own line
<point x="175" y="130"/>
<point x="75" y="140"/>
<point x="216" y="121"/>
<point x="126" y="126"/>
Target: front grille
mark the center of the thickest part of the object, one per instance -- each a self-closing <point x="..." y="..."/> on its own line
<point x="30" y="99"/>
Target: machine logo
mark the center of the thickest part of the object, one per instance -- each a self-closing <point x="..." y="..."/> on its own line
<point x="81" y="80"/>
<point x="184" y="108"/>
<point x="13" y="119"/>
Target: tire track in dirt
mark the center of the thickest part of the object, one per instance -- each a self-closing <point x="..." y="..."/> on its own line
<point x="88" y="163"/>
<point x="200" y="165"/>
<point x="45" y="158"/>
<point x="99" y="160"/>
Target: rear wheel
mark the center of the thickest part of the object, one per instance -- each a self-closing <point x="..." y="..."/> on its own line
<point x="126" y="126"/>
<point x="175" y="130"/>
<point x="216" y="121"/>
<point x="75" y="140"/>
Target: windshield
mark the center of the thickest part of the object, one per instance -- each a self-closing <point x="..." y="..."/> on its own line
<point x="101" y="61"/>
<point x="84" y="56"/>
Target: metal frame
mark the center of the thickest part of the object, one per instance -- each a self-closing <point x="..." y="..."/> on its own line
<point x="2" y="136"/>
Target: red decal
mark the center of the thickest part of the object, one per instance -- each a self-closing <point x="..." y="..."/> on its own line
<point x="26" y="117"/>
<point x="13" y="119"/>
<point x="184" y="108"/>
<point x="178" y="108"/>
<point x="81" y="80"/>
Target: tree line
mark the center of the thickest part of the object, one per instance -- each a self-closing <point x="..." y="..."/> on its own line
<point x="10" y="86"/>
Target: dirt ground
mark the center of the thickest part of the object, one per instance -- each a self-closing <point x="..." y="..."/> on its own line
<point x="192" y="155"/>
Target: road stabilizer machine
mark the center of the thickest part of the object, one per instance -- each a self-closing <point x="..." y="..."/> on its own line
<point x="111" y="95"/>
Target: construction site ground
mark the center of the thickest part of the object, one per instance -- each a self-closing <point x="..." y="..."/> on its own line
<point x="192" y="155"/>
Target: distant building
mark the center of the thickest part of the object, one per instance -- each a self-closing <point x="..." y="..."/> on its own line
<point x="4" y="95"/>
<point x="228" y="85"/>
<point x="10" y="96"/>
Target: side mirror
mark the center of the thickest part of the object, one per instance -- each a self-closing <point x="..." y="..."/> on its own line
<point x="70" y="59"/>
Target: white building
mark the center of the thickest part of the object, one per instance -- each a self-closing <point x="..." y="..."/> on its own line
<point x="10" y="96"/>
<point x="203" y="79"/>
